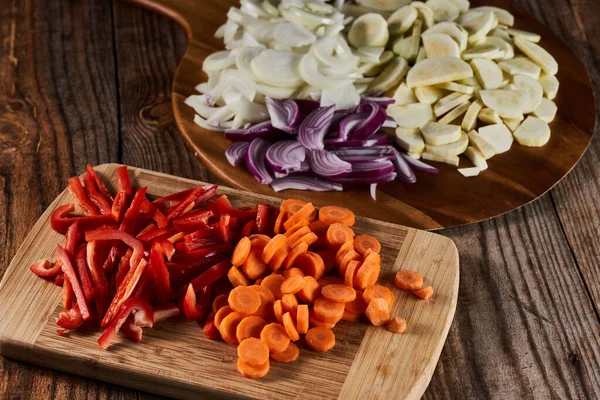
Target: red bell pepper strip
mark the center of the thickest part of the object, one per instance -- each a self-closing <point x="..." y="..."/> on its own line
<point x="61" y="223"/>
<point x="96" y="271"/>
<point x="133" y="212"/>
<point x="222" y="286"/>
<point x="113" y="234"/>
<point x="131" y="330"/>
<point x="224" y="206"/>
<point x="67" y="295"/>
<point x="196" y="308"/>
<point x="262" y="218"/>
<point x="182" y="273"/>
<point x="71" y="239"/>
<point x="119" y="205"/>
<point x="198" y="255"/>
<point x="45" y="269"/>
<point x="192" y="221"/>
<point x="60" y="278"/>
<point x="161" y="275"/>
<point x="94" y="195"/>
<point x="155" y="214"/>
<point x="211" y="275"/>
<point x="159" y="233"/>
<point x="70" y="319"/>
<point x="203" y="243"/>
<point x="123" y="267"/>
<point x="210" y="329"/>
<point x="249" y="228"/>
<point x="124" y="181"/>
<point x="99" y="183"/>
<point x="171" y="197"/>
<point x="124" y="291"/>
<point x="84" y="275"/>
<point x="149" y="228"/>
<point x="204" y="231"/>
<point x="143" y="313"/>
<point x="178" y="237"/>
<point x="196" y="196"/>
<point x="82" y="199"/>
<point x="168" y="249"/>
<point x="164" y="312"/>
<point x="70" y="274"/>
<point x="224" y="229"/>
<point x="111" y="259"/>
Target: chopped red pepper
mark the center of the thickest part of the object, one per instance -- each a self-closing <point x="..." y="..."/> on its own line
<point x="70" y="274"/>
<point x="124" y="291"/>
<point x="161" y="274"/>
<point x="196" y="255"/>
<point x="84" y="276"/>
<point x="145" y="287"/>
<point x="196" y="196"/>
<point x="168" y="249"/>
<point x="149" y="228"/>
<point x="60" y="278"/>
<point x="94" y="195"/>
<point x="124" y="181"/>
<point x="159" y="233"/>
<point x="71" y="319"/>
<point x="176" y="237"/>
<point x="119" y="205"/>
<point x="155" y="214"/>
<point x="210" y="329"/>
<point x="45" y="269"/>
<point x="111" y="259"/>
<point x="196" y="307"/>
<point x="224" y="230"/>
<point x="133" y="212"/>
<point x="211" y="275"/>
<point x="262" y="218"/>
<point x="61" y="223"/>
<point x="71" y="239"/>
<point x="224" y="206"/>
<point x="164" y="312"/>
<point x="200" y="233"/>
<point x="68" y="295"/>
<point x="99" y="183"/>
<point x="78" y="193"/>
<point x="113" y="234"/>
<point x="144" y="316"/>
<point x="175" y="196"/>
<point x="192" y="221"/>
<point x="222" y="286"/>
<point x="202" y="243"/>
<point x="249" y="228"/>
<point x="131" y="330"/>
<point x="123" y="267"/>
<point x="97" y="272"/>
<point x="182" y="273"/>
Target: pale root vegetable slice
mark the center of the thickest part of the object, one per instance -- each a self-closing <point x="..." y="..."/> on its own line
<point x="439" y="134"/>
<point x="533" y="132"/>
<point x="309" y="71"/>
<point x="455" y="113"/>
<point x="521" y="66"/>
<point x="453" y="30"/>
<point x="324" y="48"/>
<point x="277" y="68"/>
<point x="404" y="95"/>
<point x="484" y="147"/>
<point x="415" y="40"/>
<point x="550" y="85"/>
<point x="369" y="30"/>
<point x="531" y="86"/>
<point x="402" y="46"/>
<point x="421" y="55"/>
<point x="462" y="5"/>
<point x="369" y="54"/>
<point x="456" y="87"/>
<point x="411" y="115"/>
<point x="506" y="49"/>
<point x="538" y="54"/>
<point x="432" y="71"/>
<point x="489" y="116"/>
<point x="546" y="111"/>
<point x="391" y="75"/>
<point x="476" y="158"/>
<point x="410" y="139"/>
<point x="440" y="45"/>
<point x="450" y="149"/>
<point x="428" y="94"/>
<point x="488" y="73"/>
<point x="504" y="17"/>
<point x="402" y="20"/>
<point x="482" y="50"/>
<point x="529" y="36"/>
<point x="471" y="81"/>
<point x="470" y="119"/>
<point x="383" y="5"/>
<point x="513" y="123"/>
<point x="469" y="172"/>
<point x="452" y="160"/>
<point x="443" y="10"/>
<point x="508" y="103"/>
<point x="502" y="34"/>
<point x="218" y="61"/>
<point x="373" y="69"/>
<point x="498" y="135"/>
<point x="478" y="24"/>
<point x="450" y="102"/>
<point x="425" y="13"/>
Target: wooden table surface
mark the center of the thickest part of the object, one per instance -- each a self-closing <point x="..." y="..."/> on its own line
<point x="89" y="81"/>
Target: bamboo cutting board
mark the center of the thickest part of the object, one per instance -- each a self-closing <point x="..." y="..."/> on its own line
<point x="175" y="359"/>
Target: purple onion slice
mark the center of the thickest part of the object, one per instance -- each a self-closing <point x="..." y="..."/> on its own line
<point x="419" y="165"/>
<point x="263" y="130"/>
<point x="315" y="126"/>
<point x="307" y="106"/>
<point x="364" y="151"/>
<point x="349" y="123"/>
<point x="373" y="191"/>
<point x="285" y="156"/>
<point x="405" y="173"/>
<point x="284" y="115"/>
<point x="351" y="180"/>
<point x="305" y="182"/>
<point x="372" y="124"/>
<point x="236" y="153"/>
<point x="371" y="170"/>
<point x="382" y="101"/>
<point x="255" y="160"/>
<point x="325" y="163"/>
<point x="372" y="141"/>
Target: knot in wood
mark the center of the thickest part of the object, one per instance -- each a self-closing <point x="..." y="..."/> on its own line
<point x="13" y="135"/>
<point x="160" y="114"/>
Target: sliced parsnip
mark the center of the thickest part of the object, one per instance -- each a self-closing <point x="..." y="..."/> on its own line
<point x="432" y="71"/>
<point x="428" y="94"/>
<point x="502" y="34"/>
<point x="383" y="5"/>
<point x="508" y="103"/>
<point x="455" y="113"/>
<point x="404" y="95"/>
<point x="529" y="36"/>
<point x="469" y="172"/>
<point x="533" y="132"/>
<point x="375" y="69"/>
<point x="456" y="87"/>
<point x="476" y="158"/>
<point x="369" y="30"/>
<point x="478" y="24"/>
<point x="415" y="40"/>
<point x="489" y="116"/>
<point x="513" y="123"/>
<point x="459" y="35"/>
<point x="504" y="17"/>
<point x="368" y="54"/>
<point x="421" y="55"/>
<point x="402" y="46"/>
<point x="488" y="51"/>
<point x="440" y="134"/>
<point x="546" y="111"/>
<point x="277" y="68"/>
<point x="452" y="160"/>
<point x="443" y="10"/>
<point x="530" y="85"/>
<point x="539" y="55"/>
<point x="391" y="75"/>
<point x="440" y="45"/>
<point x="470" y="118"/>
<point x="550" y="85"/>
<point x="499" y="136"/>
<point x="309" y="71"/>
<point x="488" y="73"/>
<point x="402" y="20"/>
<point x="521" y="66"/>
<point x="484" y="147"/>
<point x="462" y="5"/>
<point x="410" y="140"/>
<point x="450" y="102"/>
<point x="411" y="115"/>
<point x="425" y="13"/>
<point x="506" y="49"/>
<point x="450" y="149"/>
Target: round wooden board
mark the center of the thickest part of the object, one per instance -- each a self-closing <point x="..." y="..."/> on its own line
<point x="438" y="201"/>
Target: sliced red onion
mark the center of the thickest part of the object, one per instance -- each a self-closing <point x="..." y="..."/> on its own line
<point x="349" y="123"/>
<point x="315" y="126"/>
<point x="373" y="190"/>
<point x="236" y="153"/>
<point x="390" y="123"/>
<point x="372" y="141"/>
<point x="365" y="151"/>
<point x="284" y="115"/>
<point x="255" y="160"/>
<point x="363" y="108"/>
<point x="351" y="180"/>
<point x="372" y="124"/>
<point x="338" y="116"/>
<point x="305" y="182"/>
<point x="405" y="173"/>
<point x="325" y="163"/>
<point x="371" y="170"/>
<point x="382" y="101"/>
<point x="307" y="106"/>
<point x="263" y="130"/>
<point x="366" y="159"/>
<point x="285" y="156"/>
<point x="419" y="165"/>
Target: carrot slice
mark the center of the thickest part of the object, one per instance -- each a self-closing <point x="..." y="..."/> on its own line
<point x="339" y="293"/>
<point x="337" y="235"/>
<point x="379" y="292"/>
<point x="253" y="351"/>
<point x="377" y="312"/>
<point x="311" y="264"/>
<point x="345" y="248"/>
<point x="302" y="318"/>
<point x="253" y="266"/>
<point x="396" y="325"/>
<point x="350" y="273"/>
<point x="236" y="277"/>
<point x="278" y="311"/>
<point x="241" y="251"/>
<point x="288" y="273"/>
<point x="279" y="257"/>
<point x="330" y="280"/>
<point x="244" y="299"/>
<point x="293" y="284"/>
<point x="297" y="226"/>
<point x="318" y="226"/>
<point x="289" y="303"/>
<point x="273" y="283"/>
<point x="250" y="371"/>
<point x="218" y="302"/>
<point x="258" y="281"/>
<point x="328" y="259"/>
<point x="350" y="256"/>
<point x="250" y="327"/>
<point x="310" y="239"/>
<point x="320" y="339"/>
<point x="362" y="243"/>
<point x="408" y="281"/>
<point x="311" y="290"/>
<point x="366" y="254"/>
<point x="288" y="355"/>
<point x="275" y="337"/>
<point x="300" y="248"/>
<point x="221" y="314"/>
<point x="259" y="241"/>
<point x="328" y="311"/>
<point x="319" y="229"/>
<point x="278" y="223"/>
<point x="358" y="306"/>
<point x="292" y="204"/>
<point x="368" y="273"/>
<point x="290" y="327"/>
<point x="304" y="213"/>
<point x="424" y="293"/>
<point x="292" y="239"/>
<point x="266" y="300"/>
<point x="351" y="317"/>
<point x="276" y="243"/>
<point x="228" y="327"/>
<point x="314" y="321"/>
<point x="332" y="214"/>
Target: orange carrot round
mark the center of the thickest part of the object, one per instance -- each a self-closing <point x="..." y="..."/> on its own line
<point x="314" y="321"/>
<point x="311" y="264"/>
<point x="273" y="283"/>
<point x="278" y="311"/>
<point x="330" y="280"/>
<point x="341" y="252"/>
<point x="311" y="290"/>
<point x="328" y="257"/>
<point x="377" y="312"/>
<point x="228" y="327"/>
<point x="250" y="371"/>
<point x="328" y="311"/>
<point x="408" y="281"/>
<point x="221" y="314"/>
<point x="320" y="339"/>
<point x="290" y="327"/>
<point x="310" y="239"/>
<point x="379" y="292"/>
<point x="350" y="272"/>
<point x="244" y="299"/>
<point x="338" y="293"/>
<point x="350" y="256"/>
<point x="250" y="327"/>
<point x="297" y="226"/>
<point x="218" y="302"/>
<point x="292" y="239"/>
<point x="293" y="285"/>
<point x="288" y="273"/>
<point x="396" y="325"/>
<point x="266" y="300"/>
<point x="253" y="266"/>
<point x="288" y="355"/>
<point x="306" y="212"/>
<point x="337" y="235"/>
<point x="236" y="277"/>
<point x="289" y="302"/>
<point x="424" y="293"/>
<point x="280" y="256"/>
<point x="362" y="243"/>
<point x="241" y="251"/>
<point x="300" y="248"/>
<point x="275" y="337"/>
<point x="259" y="241"/>
<point x="253" y="351"/>
<point x="302" y="318"/>
<point x="278" y="228"/>
<point x="332" y="214"/>
<point x="351" y="317"/>
<point x="368" y="273"/>
<point x="291" y="206"/>
<point x="358" y="306"/>
<point x="276" y="243"/>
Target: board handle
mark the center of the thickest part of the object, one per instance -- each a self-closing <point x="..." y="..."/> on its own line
<point x="180" y="11"/>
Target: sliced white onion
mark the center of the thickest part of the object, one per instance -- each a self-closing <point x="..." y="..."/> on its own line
<point x="309" y="71"/>
<point x="220" y="32"/>
<point x="275" y="92"/>
<point x="231" y="28"/>
<point x="342" y="48"/>
<point x="293" y="35"/>
<point x="218" y="61"/>
<point x="243" y="58"/>
<point x="231" y="96"/>
<point x="250" y="41"/>
<point x="370" y="54"/>
<point x="304" y="18"/>
<point x="253" y="8"/>
<point x="323" y="50"/>
<point x="201" y="106"/>
<point x="202" y="123"/>
<point x="223" y="114"/>
<point x="202" y="87"/>
<point x="249" y="111"/>
<point x="240" y="82"/>
<point x="344" y="97"/>
<point x="337" y="73"/>
<point x="277" y="68"/>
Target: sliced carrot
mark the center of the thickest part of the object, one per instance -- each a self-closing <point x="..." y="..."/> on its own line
<point x="218" y="302"/>
<point x="350" y="273"/>
<point x="244" y="299"/>
<point x="221" y="314"/>
<point x="288" y="355"/>
<point x="362" y="243"/>
<point x="290" y="327"/>
<point x="236" y="277"/>
<point x="299" y="225"/>
<point x="338" y="293"/>
<point x="294" y="208"/>
<point x="377" y="312"/>
<point x="311" y="290"/>
<point x="302" y="318"/>
<point x="320" y="339"/>
<point x="250" y="327"/>
<point x="259" y="241"/>
<point x="228" y="327"/>
<point x="289" y="303"/>
<point x="278" y="311"/>
<point x="241" y="251"/>
<point x="276" y="243"/>
<point x="311" y="264"/>
<point x="288" y="273"/>
<point x="319" y="229"/>
<point x="379" y="292"/>
<point x="337" y="235"/>
<point x="266" y="301"/>
<point x="328" y="311"/>
<point x="328" y="257"/>
<point x="277" y="229"/>
<point x="258" y="281"/>
<point x="300" y="248"/>
<point x="306" y="212"/>
<point x="253" y="266"/>
<point x="293" y="284"/>
<point x="408" y="281"/>
<point x="396" y="325"/>
<point x="253" y="351"/>
<point x="330" y="280"/>
<point x="273" y="283"/>
<point x="345" y="248"/>
<point x="250" y="371"/>
<point x="277" y="261"/>
<point x="332" y="215"/>
<point x="349" y="256"/>
<point x="310" y="239"/>
<point x="368" y="273"/>
<point x="318" y="226"/>
<point x="275" y="337"/>
<point x="292" y="204"/>
<point x="366" y="254"/>
<point x="351" y="317"/>
<point x="358" y="306"/>
<point x="292" y="239"/>
<point x="314" y="321"/>
<point x="424" y="293"/>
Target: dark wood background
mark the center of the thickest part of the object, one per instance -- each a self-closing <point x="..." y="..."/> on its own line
<point x="89" y="81"/>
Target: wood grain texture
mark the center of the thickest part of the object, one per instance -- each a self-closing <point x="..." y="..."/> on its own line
<point x="176" y="359"/>
<point x="506" y="185"/>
